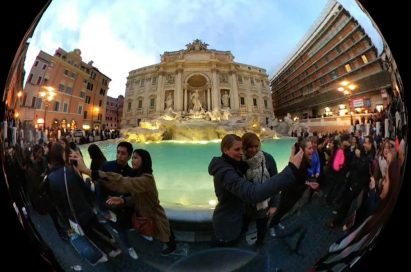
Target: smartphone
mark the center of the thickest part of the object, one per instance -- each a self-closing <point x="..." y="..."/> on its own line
<point x="296" y="147"/>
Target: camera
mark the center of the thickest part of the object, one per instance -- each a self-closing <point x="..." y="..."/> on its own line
<point x="73" y="162"/>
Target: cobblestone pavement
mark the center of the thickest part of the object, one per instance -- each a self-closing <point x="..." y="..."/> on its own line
<point x="279" y="253"/>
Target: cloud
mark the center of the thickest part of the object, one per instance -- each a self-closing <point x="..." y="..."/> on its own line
<point x="120" y="36"/>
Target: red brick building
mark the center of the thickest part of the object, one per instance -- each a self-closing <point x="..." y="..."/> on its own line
<point x="114" y="111"/>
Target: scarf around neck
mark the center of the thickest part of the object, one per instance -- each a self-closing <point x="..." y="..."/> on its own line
<point x="257" y="172"/>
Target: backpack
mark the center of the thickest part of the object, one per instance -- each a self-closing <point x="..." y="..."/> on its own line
<point x="45" y="203"/>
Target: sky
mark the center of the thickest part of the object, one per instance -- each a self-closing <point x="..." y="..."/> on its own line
<point x="123" y="35"/>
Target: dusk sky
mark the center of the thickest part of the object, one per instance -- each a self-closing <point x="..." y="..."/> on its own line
<point x="124" y="35"/>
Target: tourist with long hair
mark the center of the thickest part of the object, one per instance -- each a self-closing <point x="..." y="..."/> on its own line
<point x="143" y="189"/>
<point x="261" y="166"/>
<point x="80" y="198"/>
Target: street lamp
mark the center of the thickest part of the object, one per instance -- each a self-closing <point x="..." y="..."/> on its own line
<point x="96" y="110"/>
<point x="47" y="96"/>
<point x="347" y="88"/>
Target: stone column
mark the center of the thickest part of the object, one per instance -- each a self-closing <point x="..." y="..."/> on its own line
<point x="235" y="104"/>
<point x="208" y="98"/>
<point x="386" y="128"/>
<point x="378" y="128"/>
<point x="185" y="100"/>
<point x="211" y="103"/>
<point x="215" y="94"/>
<point x="178" y="94"/>
<point x="160" y="94"/>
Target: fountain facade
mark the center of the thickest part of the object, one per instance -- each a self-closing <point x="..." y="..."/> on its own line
<point x="198" y="83"/>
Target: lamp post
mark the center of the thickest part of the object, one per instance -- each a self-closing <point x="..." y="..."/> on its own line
<point x="47" y="96"/>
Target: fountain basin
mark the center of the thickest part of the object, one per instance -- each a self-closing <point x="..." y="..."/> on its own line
<point x="186" y="190"/>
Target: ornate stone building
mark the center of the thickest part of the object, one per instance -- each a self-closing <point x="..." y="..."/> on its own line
<point x="197" y="80"/>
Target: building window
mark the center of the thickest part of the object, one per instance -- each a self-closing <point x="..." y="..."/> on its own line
<point x="100" y="103"/>
<point x="265" y="104"/>
<point x="38" y="102"/>
<point x="56" y="106"/>
<point x="255" y="102"/>
<point x="44" y="66"/>
<point x="39" y="80"/>
<point x="80" y="109"/>
<point x="240" y="79"/>
<point x="85" y="114"/>
<point x="252" y="81"/>
<point x="36" y="63"/>
<point x="322" y="80"/>
<point x="129" y="107"/>
<point x="154" y="80"/>
<point x="140" y="104"/>
<point x="102" y="91"/>
<point x="69" y="90"/>
<point x="142" y="82"/>
<point x="334" y="74"/>
<point x="82" y="94"/>
<point x="348" y="68"/>
<point x="338" y="49"/>
<point x="30" y="78"/>
<point x="152" y="103"/>
<point x="242" y="101"/>
<point x="66" y="72"/>
<point x="61" y="88"/>
<point x="89" y="86"/>
<point x="88" y="99"/>
<point x="65" y="107"/>
<point x="364" y="59"/>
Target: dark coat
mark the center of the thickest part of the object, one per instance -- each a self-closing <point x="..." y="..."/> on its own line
<point x="79" y="192"/>
<point x="233" y="190"/>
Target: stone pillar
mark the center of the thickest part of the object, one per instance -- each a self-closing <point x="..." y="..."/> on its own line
<point x="367" y="129"/>
<point x="13" y="136"/>
<point x="386" y="129"/>
<point x="160" y="94"/>
<point x="185" y="106"/>
<point x="178" y="94"/>
<point x="208" y="98"/>
<point x="210" y="95"/>
<point x="235" y="103"/>
<point x="378" y="128"/>
<point x="215" y="94"/>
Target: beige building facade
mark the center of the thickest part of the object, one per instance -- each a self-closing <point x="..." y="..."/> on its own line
<point x="196" y="80"/>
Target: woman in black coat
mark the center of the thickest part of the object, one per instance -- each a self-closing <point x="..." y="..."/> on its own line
<point x="233" y="190"/>
<point x="80" y="198"/>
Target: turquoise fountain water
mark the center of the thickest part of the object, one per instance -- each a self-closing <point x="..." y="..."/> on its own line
<point x="181" y="168"/>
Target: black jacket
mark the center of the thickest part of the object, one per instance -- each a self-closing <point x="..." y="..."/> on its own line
<point x="79" y="192"/>
<point x="233" y="190"/>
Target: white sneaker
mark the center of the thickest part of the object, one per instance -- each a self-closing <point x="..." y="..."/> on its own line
<point x="272" y="232"/>
<point x="148" y="238"/>
<point x="132" y="253"/>
<point x="103" y="259"/>
<point x="114" y="253"/>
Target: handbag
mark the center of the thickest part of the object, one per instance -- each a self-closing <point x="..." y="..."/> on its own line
<point x="86" y="248"/>
<point x="144" y="225"/>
